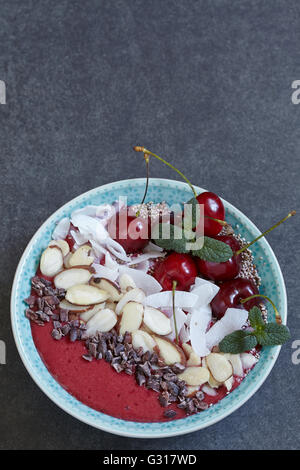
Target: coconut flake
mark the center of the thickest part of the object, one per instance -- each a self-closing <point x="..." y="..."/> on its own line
<point x="164" y="299"/>
<point x="205" y="290"/>
<point x="116" y="249"/>
<point x="142" y="280"/>
<point x="110" y="262"/>
<point x="80" y="238"/>
<point x="248" y="360"/>
<point x="233" y="320"/>
<point x="62" y="229"/>
<point x="180" y="320"/>
<point x="152" y="247"/>
<point x="184" y="334"/>
<point x="198" y="326"/>
<point x="90" y="226"/>
<point x="106" y="273"/>
<point x="209" y="391"/>
<point x="145" y="257"/>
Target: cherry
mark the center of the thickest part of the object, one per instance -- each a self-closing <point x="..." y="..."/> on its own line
<point x="177" y="267"/>
<point x="222" y="271"/>
<point x="231" y="293"/>
<point x="130" y="231"/>
<point x="213" y="209"/>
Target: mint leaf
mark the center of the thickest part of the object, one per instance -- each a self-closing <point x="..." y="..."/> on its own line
<point x="256" y="318"/>
<point x="237" y="342"/>
<point x="170" y="237"/>
<point x="214" y="251"/>
<point x="272" y="334"/>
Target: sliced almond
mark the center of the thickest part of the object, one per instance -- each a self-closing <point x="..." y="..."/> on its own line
<point x="141" y="339"/>
<point x="229" y="383"/>
<point x="157" y="321"/>
<point x="67" y="259"/>
<point x="135" y="295"/>
<point x="74" y="308"/>
<point x="195" y="375"/>
<point x="101" y="322"/>
<point x="51" y="261"/>
<point x="112" y="305"/>
<point x="113" y="290"/>
<point x="72" y="276"/>
<point x="168" y="351"/>
<point x="81" y="257"/>
<point x="83" y="294"/>
<point x="193" y="358"/>
<point x="213" y="383"/>
<point x="62" y="244"/>
<point x="86" y="316"/>
<point x="236" y="362"/>
<point x="219" y="366"/>
<point x="132" y="317"/>
<point x="191" y="391"/>
<point x="126" y="282"/>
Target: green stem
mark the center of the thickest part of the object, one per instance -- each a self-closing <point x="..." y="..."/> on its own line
<point x="290" y="214"/>
<point x="147" y="183"/>
<point x="277" y="314"/>
<point x="137" y="148"/>
<point x="173" y="304"/>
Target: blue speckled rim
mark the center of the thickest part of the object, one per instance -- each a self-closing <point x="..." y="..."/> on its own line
<point x="159" y="189"/>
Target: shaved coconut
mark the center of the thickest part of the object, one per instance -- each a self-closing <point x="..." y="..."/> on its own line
<point x="152" y="247"/>
<point x="110" y="263"/>
<point x="98" y="249"/>
<point x="205" y="291"/>
<point x="89" y="226"/>
<point x="209" y="391"/>
<point x="62" y="229"/>
<point x="184" y="334"/>
<point x="103" y="271"/>
<point x="80" y="238"/>
<point x="142" y="280"/>
<point x="105" y="212"/>
<point x="180" y="320"/>
<point x="248" y="360"/>
<point x="116" y="249"/>
<point x="143" y="266"/>
<point x="144" y="257"/>
<point x="233" y="320"/>
<point x="135" y="295"/>
<point x="198" y="326"/>
<point x="164" y="299"/>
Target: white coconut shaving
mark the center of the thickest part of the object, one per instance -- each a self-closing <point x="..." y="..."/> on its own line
<point x="106" y="273"/>
<point x="198" y="326"/>
<point x="62" y="229"/>
<point x="165" y="299"/>
<point x="233" y="319"/>
<point x="205" y="290"/>
<point x="180" y="321"/>
<point x="142" y="280"/>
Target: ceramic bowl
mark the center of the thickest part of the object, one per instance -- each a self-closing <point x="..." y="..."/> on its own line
<point x="159" y="190"/>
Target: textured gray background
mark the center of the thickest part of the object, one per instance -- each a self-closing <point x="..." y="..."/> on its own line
<point x="205" y="83"/>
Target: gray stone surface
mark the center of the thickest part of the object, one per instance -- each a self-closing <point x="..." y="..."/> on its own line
<point x="206" y="84"/>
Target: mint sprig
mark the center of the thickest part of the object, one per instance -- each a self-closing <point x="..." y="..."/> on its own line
<point x="265" y="334"/>
<point x="214" y="251"/>
<point x="172" y="237"/>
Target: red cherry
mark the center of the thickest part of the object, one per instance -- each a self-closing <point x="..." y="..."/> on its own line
<point x="231" y="293"/>
<point x="177" y="267"/>
<point x="130" y="231"/>
<point x="213" y="207"/>
<point x="222" y="271"/>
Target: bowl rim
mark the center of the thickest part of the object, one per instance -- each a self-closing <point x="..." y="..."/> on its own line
<point x="153" y="434"/>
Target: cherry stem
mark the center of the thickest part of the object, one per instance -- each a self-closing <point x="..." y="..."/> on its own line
<point x="137" y="148"/>
<point x="221" y="222"/>
<point x="277" y="314"/>
<point x="245" y="247"/>
<point x="173" y="305"/>
<point x="147" y="183"/>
